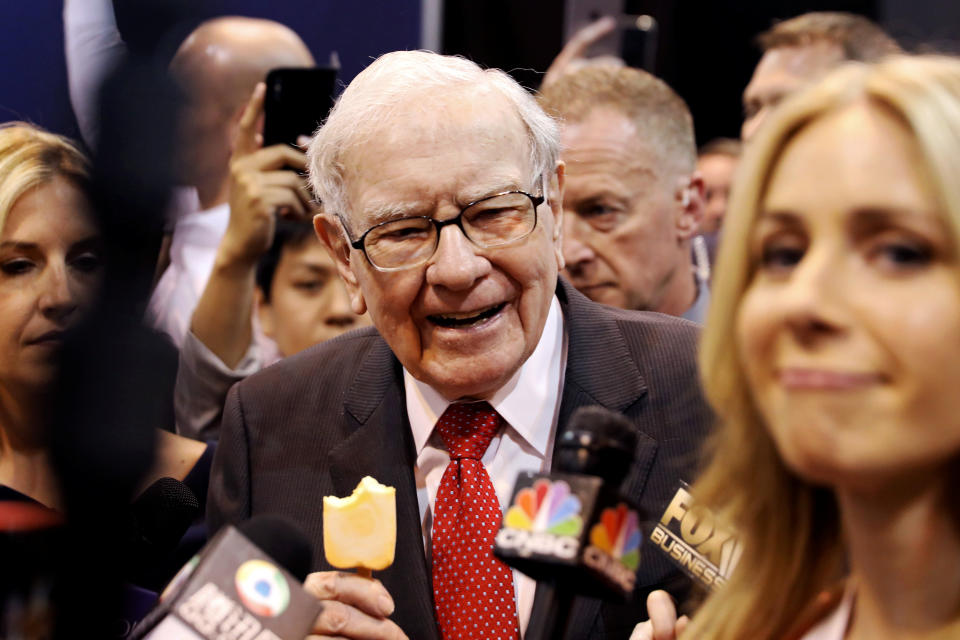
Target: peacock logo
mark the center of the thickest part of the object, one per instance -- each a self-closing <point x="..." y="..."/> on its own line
<point x="618" y="534"/>
<point x="262" y="588"/>
<point x="547" y="507"/>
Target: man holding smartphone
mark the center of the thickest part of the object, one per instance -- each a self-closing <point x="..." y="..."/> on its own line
<point x="217" y="66"/>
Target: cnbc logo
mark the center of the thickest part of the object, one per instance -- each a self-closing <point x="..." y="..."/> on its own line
<point x="614" y="548"/>
<point x="262" y="588"/>
<point x="544" y="519"/>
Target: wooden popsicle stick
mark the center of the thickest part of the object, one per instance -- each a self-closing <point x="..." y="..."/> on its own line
<point x="363" y="572"/>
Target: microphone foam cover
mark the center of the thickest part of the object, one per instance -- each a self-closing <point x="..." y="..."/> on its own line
<point x="597" y="442"/>
<point x="164" y="512"/>
<point x="282" y="540"/>
<point x="610" y="427"/>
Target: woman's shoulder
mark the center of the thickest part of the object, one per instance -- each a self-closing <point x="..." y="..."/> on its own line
<point x="176" y="457"/>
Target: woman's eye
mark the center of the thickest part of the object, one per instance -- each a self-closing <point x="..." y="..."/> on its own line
<point x="16" y="267"/>
<point x="903" y="254"/>
<point x="87" y="262"/>
<point x="781" y="256"/>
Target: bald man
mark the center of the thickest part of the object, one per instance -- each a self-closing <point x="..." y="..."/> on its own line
<point x="217" y="66"/>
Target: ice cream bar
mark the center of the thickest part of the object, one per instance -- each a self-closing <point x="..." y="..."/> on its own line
<point x="360" y="531"/>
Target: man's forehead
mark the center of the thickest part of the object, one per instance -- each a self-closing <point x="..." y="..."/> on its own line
<point x="402" y="152"/>
<point x="797" y="63"/>
<point x="607" y="141"/>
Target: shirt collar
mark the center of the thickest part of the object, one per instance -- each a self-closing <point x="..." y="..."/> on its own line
<point x="527" y="402"/>
<point x="698" y="312"/>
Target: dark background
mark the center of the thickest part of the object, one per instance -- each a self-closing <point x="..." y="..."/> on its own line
<point x="705" y="48"/>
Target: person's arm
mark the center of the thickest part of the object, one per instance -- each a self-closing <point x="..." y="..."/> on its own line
<point x="203" y="382"/>
<point x="577" y="46"/>
<point x="92" y="45"/>
<point x="259" y="187"/>
<point x="228" y="497"/>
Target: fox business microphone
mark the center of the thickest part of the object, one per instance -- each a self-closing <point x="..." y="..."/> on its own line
<point x="571" y="530"/>
<point x="246" y="584"/>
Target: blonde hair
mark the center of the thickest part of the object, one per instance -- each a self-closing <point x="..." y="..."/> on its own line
<point x="30" y="157"/>
<point x="790" y="529"/>
<point x="659" y="114"/>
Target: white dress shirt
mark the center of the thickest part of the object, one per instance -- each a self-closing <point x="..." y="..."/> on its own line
<point x="529" y="405"/>
<point x="196" y="236"/>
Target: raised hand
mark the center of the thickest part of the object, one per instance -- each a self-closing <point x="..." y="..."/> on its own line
<point x="261" y="187"/>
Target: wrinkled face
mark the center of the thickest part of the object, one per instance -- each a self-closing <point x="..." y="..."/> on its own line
<point x="850" y="329"/>
<point x="620" y="238"/>
<point x="50" y="267"/>
<point x="308" y="302"/>
<point x="780" y="72"/>
<point x="466" y="320"/>
<point x="717" y="171"/>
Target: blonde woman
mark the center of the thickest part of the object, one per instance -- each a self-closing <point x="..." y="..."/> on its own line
<point x="50" y="269"/>
<point x="832" y="356"/>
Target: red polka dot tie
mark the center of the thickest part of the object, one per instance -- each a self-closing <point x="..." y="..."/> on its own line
<point x="473" y="591"/>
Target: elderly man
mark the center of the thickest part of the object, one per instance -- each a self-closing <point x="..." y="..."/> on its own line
<point x="633" y="198"/>
<point x="442" y="194"/>
<point x="799" y="50"/>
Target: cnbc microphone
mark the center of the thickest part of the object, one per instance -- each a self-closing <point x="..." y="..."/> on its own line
<point x="570" y="530"/>
<point x="246" y="584"/>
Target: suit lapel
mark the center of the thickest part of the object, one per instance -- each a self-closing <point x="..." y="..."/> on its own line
<point x="600" y="371"/>
<point x="381" y="446"/>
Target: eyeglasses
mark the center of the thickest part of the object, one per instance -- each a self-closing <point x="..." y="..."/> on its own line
<point x="494" y="221"/>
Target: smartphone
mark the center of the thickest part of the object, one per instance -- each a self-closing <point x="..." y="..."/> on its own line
<point x="296" y="102"/>
<point x="634" y="40"/>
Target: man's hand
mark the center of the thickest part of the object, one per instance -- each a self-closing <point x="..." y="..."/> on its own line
<point x="663" y="623"/>
<point x="353" y="607"/>
<point x="260" y="187"/>
<point x="577" y="46"/>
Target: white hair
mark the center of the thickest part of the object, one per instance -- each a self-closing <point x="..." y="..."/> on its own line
<point x="393" y="80"/>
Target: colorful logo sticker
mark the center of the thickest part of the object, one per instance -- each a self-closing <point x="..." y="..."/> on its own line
<point x="548" y="507"/>
<point x="618" y="533"/>
<point x="262" y="588"/>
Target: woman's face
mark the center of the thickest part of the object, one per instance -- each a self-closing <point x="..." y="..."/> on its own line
<point x="849" y="330"/>
<point x="49" y="270"/>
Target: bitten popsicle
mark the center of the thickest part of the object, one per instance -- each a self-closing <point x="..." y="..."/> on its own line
<point x="360" y="531"/>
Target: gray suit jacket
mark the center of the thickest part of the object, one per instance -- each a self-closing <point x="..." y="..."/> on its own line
<point x="316" y="423"/>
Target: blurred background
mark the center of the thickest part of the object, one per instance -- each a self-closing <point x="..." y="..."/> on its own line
<point x="703" y="48"/>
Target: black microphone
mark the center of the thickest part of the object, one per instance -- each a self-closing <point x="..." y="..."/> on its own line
<point x="153" y="525"/>
<point x="571" y="530"/>
<point x="245" y="584"/>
